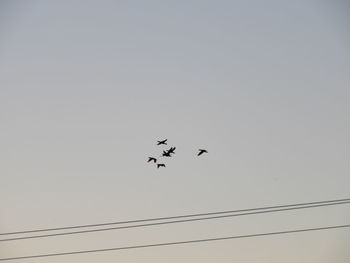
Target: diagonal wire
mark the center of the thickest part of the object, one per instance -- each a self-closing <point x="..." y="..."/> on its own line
<point x="176" y="243"/>
<point x="172" y="217"/>
<point x="173" y="222"/>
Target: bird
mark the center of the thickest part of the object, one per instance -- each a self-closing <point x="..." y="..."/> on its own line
<point x="162" y="142"/>
<point x="171" y="150"/>
<point x="160" y="165"/>
<point x="150" y="159"/>
<point x="201" y="151"/>
<point x="166" y="154"/>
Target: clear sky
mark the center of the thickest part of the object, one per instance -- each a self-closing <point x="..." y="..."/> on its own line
<point x="88" y="87"/>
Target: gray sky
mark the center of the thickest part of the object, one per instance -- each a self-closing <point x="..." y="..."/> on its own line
<point x="87" y="87"/>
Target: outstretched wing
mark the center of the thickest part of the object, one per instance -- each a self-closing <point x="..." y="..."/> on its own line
<point x="150" y="159"/>
<point x="201" y="151"/>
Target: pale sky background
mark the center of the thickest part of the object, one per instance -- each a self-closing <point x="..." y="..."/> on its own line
<point x="87" y="87"/>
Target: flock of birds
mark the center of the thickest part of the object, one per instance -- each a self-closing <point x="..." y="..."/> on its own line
<point x="168" y="153"/>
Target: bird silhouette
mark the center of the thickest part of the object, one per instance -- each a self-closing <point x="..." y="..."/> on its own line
<point x="166" y="154"/>
<point x="162" y="142"/>
<point x="201" y="151"/>
<point x="160" y="165"/>
<point x="171" y="150"/>
<point x="150" y="159"/>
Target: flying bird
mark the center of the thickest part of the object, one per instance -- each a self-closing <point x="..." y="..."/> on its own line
<point x="162" y="142"/>
<point x="150" y="159"/>
<point x="171" y="150"/>
<point x="166" y="154"/>
<point x="201" y="151"/>
<point x="160" y="165"/>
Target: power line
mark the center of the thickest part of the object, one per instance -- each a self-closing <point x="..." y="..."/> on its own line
<point x="177" y="242"/>
<point x="171" y="217"/>
<point x="173" y="222"/>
